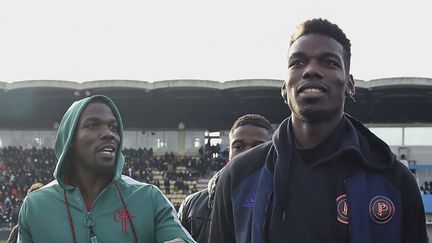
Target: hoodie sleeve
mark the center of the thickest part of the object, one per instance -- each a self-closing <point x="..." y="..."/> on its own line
<point x="24" y="235"/>
<point x="184" y="211"/>
<point x="222" y="224"/>
<point x="167" y="224"/>
<point x="414" y="223"/>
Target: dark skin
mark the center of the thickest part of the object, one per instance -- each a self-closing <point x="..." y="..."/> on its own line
<point x="316" y="87"/>
<point x="94" y="150"/>
<point x="246" y="137"/>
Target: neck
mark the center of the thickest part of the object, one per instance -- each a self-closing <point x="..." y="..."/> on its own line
<point x="90" y="185"/>
<point x="311" y="134"/>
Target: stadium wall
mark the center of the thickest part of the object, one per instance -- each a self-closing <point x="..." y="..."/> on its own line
<point x="183" y="142"/>
<point x="420" y="155"/>
<point x="187" y="142"/>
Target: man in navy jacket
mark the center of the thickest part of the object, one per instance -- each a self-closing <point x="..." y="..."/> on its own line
<point x="194" y="214"/>
<point x="324" y="177"/>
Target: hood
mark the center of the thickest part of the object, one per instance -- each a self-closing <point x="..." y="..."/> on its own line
<point x="358" y="141"/>
<point x="373" y="151"/>
<point x="66" y="131"/>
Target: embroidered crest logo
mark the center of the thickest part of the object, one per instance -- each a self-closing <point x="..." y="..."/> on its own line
<point x="342" y="208"/>
<point x="123" y="216"/>
<point x="381" y="209"/>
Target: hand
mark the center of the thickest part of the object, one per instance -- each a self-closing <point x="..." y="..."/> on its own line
<point x="175" y="241"/>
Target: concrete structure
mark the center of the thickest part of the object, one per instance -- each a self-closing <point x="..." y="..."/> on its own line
<point x="202" y="104"/>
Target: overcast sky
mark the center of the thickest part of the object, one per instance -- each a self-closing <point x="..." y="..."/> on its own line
<point x="83" y="40"/>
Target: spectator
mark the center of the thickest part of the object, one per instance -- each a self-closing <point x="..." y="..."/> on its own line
<point x="167" y="184"/>
<point x="13" y="236"/>
<point x="404" y="161"/>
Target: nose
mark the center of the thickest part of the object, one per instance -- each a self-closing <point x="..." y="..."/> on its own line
<point x="312" y="70"/>
<point x="107" y="133"/>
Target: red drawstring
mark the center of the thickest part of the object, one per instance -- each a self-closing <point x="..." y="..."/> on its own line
<point x="127" y="213"/>
<point x="69" y="217"/>
<point x="124" y="206"/>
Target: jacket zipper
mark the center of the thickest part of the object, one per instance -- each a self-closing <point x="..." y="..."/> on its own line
<point x="348" y="213"/>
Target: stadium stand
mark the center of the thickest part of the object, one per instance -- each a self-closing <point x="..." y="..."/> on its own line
<point x="19" y="168"/>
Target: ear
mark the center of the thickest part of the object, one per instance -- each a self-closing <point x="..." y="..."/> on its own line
<point x="350" y="89"/>
<point x="283" y="91"/>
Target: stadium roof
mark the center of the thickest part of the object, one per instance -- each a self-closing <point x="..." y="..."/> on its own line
<point x="202" y="104"/>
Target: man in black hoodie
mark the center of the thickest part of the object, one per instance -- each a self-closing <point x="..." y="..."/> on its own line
<point x="247" y="132"/>
<point x="324" y="177"/>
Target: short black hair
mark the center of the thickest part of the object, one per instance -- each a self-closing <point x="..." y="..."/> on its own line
<point x="254" y="120"/>
<point x="325" y="27"/>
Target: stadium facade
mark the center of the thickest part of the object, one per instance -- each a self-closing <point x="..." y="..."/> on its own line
<point x="173" y="115"/>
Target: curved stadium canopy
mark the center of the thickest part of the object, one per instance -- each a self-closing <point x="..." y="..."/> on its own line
<point x="203" y="104"/>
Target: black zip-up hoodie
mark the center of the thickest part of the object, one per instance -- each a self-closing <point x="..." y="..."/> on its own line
<point x="195" y="211"/>
<point x="252" y="197"/>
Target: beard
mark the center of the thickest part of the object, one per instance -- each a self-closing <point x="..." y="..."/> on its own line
<point x="97" y="166"/>
<point x="316" y="111"/>
<point x="105" y="169"/>
<point x="315" y="115"/>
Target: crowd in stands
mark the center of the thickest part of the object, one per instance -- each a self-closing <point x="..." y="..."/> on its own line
<point x="426" y="188"/>
<point x="20" y="168"/>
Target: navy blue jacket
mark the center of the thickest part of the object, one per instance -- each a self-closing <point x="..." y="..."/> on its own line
<point x="380" y="200"/>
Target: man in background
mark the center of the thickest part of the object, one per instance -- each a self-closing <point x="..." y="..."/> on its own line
<point x="247" y="132"/>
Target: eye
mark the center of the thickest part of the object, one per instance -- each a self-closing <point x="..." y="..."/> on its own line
<point x="330" y="63"/>
<point x="90" y="125"/>
<point x="236" y="146"/>
<point x="295" y="63"/>
<point x="114" y="127"/>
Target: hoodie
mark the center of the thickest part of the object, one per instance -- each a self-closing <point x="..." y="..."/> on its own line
<point x="125" y="211"/>
<point x="368" y="196"/>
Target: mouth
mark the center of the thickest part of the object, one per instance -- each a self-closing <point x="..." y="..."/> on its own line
<point x="311" y="91"/>
<point x="108" y="149"/>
